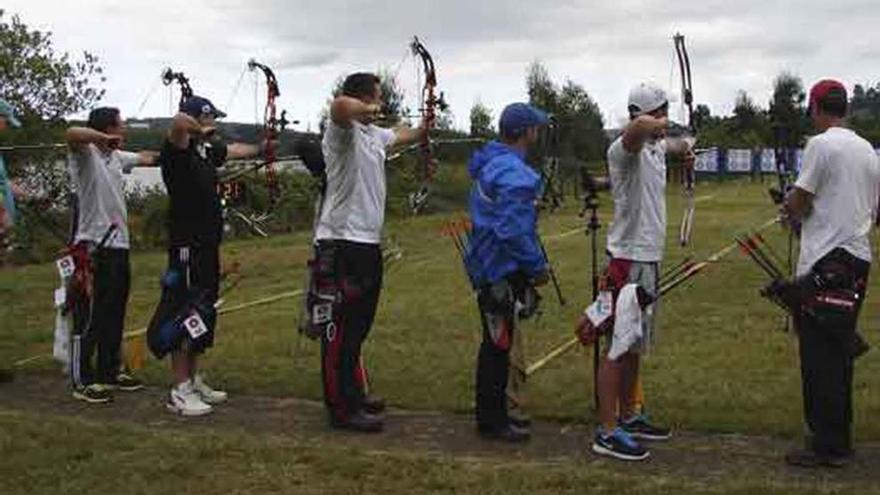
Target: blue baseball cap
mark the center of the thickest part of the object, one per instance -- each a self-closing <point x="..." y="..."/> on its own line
<point x="196" y="106"/>
<point x="7" y="111"/>
<point x="518" y="117"/>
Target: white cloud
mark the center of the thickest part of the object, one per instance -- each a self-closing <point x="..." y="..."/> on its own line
<point x="481" y="48"/>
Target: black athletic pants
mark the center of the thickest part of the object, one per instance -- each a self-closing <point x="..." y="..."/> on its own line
<point x="101" y="325"/>
<point x="200" y="266"/>
<point x="356" y="269"/>
<point x="827" y="376"/>
<point x="497" y="316"/>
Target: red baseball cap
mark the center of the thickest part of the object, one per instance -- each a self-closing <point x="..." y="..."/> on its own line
<point x="821" y="89"/>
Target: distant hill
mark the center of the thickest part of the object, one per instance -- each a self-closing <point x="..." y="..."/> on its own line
<point x="149" y="134"/>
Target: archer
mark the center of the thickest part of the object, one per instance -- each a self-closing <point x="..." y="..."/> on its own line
<point x="637" y="172"/>
<point x="100" y="250"/>
<point x="346" y="272"/>
<point x="505" y="260"/>
<point x="835" y="198"/>
<point x="184" y="321"/>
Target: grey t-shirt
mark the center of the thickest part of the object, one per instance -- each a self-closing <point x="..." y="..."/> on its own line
<point x="97" y="178"/>
<point x="638" y="185"/>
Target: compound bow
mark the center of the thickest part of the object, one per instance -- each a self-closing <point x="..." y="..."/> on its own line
<point x="429" y="105"/>
<point x="273" y="127"/>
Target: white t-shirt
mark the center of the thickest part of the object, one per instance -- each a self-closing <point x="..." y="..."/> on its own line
<point x="97" y="178"/>
<point x="842" y="172"/>
<point x="638" y="185"/>
<point x="353" y="207"/>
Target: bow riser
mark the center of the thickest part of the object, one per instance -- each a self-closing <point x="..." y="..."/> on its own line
<point x="272" y="128"/>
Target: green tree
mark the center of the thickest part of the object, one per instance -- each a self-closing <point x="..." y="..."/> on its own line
<point x="577" y="137"/>
<point x="787" y="111"/>
<point x="745" y="111"/>
<point x="45" y="86"/>
<point x="542" y="91"/>
<point x="392" y="98"/>
<point x="445" y="120"/>
<point x="748" y="123"/>
<point x="40" y="82"/>
<point x="481" y="121"/>
<point x="702" y="116"/>
<point x="581" y="123"/>
<point x="865" y="112"/>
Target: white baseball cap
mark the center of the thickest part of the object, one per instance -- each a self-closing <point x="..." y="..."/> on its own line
<point x="646" y="97"/>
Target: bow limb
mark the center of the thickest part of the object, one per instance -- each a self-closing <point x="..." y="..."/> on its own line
<point x="687" y="220"/>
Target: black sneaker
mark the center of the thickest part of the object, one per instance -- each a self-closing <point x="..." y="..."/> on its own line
<point x="838" y="460"/>
<point x="360" y="421"/>
<point x="125" y="382"/>
<point x="373" y="404"/>
<point x="619" y="445"/>
<point x="509" y="433"/>
<point x="6" y="375"/>
<point x="858" y="347"/>
<point x="807" y="458"/>
<point x="639" y="427"/>
<point x="93" y="394"/>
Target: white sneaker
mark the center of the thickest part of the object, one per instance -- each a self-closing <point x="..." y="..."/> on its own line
<point x="208" y="394"/>
<point x="184" y="400"/>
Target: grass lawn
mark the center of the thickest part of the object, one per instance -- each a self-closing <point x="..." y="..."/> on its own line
<point x="722" y="363"/>
<point x="49" y="454"/>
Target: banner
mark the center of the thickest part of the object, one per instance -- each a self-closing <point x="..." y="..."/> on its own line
<point x="739" y="161"/>
<point x="768" y="161"/>
<point x="708" y="161"/>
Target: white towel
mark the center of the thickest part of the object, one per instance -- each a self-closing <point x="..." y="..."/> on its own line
<point x="61" y="347"/>
<point x="627" y="322"/>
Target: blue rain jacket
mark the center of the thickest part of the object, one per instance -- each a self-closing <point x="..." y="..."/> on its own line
<point x="504" y="238"/>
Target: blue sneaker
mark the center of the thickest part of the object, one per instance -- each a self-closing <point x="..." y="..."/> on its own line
<point x="619" y="445"/>
<point x="639" y="427"/>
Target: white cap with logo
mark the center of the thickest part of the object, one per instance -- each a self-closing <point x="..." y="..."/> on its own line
<point x="645" y="98"/>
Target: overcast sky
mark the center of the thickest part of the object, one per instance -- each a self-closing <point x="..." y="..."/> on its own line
<point x="481" y="48"/>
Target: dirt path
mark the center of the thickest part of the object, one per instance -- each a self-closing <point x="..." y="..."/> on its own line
<point x="704" y="457"/>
